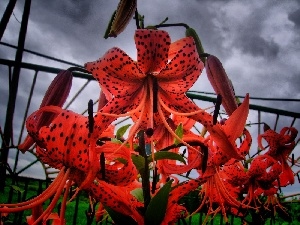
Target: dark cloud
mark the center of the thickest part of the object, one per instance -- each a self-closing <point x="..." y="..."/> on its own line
<point x="295" y="18"/>
<point x="257" y="46"/>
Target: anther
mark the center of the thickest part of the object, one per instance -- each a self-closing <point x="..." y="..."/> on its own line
<point x="149" y="132"/>
<point x="90" y="116"/>
<point x="217" y="108"/>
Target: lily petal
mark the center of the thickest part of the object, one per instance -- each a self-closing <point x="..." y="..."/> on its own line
<point x="235" y="124"/>
<point x="152" y="49"/>
<point x="183" y="70"/>
<point x="117" y="72"/>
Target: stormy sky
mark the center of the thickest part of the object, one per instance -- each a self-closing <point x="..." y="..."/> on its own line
<point x="257" y="41"/>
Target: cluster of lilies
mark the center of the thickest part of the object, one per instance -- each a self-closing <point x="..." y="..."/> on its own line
<point x="133" y="175"/>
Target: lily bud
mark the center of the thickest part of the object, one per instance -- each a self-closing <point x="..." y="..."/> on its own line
<point x="121" y="17"/>
<point x="56" y="95"/>
<point x="221" y="84"/>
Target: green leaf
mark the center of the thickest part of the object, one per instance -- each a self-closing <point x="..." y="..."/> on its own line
<point x="138" y="193"/>
<point x="139" y="162"/>
<point x="179" y="133"/>
<point x="16" y="188"/>
<point x="116" y="141"/>
<point x="122" y="160"/>
<point x="156" y="209"/>
<point x="121" y="131"/>
<point x="120" y="218"/>
<point x="166" y="155"/>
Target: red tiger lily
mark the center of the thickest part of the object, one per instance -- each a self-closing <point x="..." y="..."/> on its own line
<point x="217" y="189"/>
<point x="222" y="139"/>
<point x="263" y="174"/>
<point x="235" y="177"/>
<point x="280" y="146"/>
<point x="66" y="144"/>
<point x="117" y="198"/>
<point x="149" y="87"/>
<point x="221" y="191"/>
<point x="66" y="141"/>
<point x="164" y="139"/>
<point x="175" y="211"/>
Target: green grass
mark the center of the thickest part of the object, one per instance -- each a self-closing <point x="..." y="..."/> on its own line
<point x="19" y="194"/>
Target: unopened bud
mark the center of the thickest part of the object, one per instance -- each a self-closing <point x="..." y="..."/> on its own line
<point x="221" y="84"/>
<point x="56" y="95"/>
<point x="121" y="17"/>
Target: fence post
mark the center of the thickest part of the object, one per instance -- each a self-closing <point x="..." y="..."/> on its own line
<point x="12" y="95"/>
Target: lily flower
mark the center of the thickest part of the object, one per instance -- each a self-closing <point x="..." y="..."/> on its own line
<point x="222" y="139"/>
<point x="68" y="142"/>
<point x="149" y="87"/>
<point x="117" y="198"/>
<point x="263" y="174"/>
<point x="175" y="211"/>
<point x="280" y="146"/>
<point x="163" y="139"/>
<point x="68" y="145"/>
<point x="222" y="150"/>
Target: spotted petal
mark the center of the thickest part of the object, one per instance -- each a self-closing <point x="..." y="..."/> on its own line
<point x="152" y="49"/>
<point x="183" y="70"/>
<point x="116" y="72"/>
<point x="124" y="103"/>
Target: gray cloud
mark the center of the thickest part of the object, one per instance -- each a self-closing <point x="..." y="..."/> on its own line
<point x="295" y="18"/>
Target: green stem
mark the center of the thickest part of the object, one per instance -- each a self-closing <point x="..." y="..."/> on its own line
<point x="145" y="175"/>
<point x="172" y="25"/>
<point x="79" y="69"/>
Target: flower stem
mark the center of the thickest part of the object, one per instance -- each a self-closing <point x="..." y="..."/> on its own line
<point x="145" y="175"/>
<point x="172" y="25"/>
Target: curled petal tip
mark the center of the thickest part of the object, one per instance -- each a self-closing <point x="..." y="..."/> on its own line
<point x="26" y="144"/>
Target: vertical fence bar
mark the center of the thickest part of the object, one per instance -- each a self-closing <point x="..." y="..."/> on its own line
<point x="292" y="124"/>
<point x="13" y="94"/>
<point x="276" y="122"/>
<point x="24" y="119"/>
<point x="6" y="15"/>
